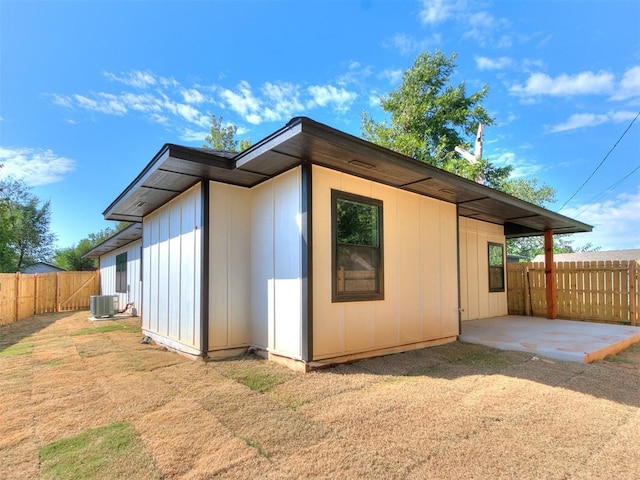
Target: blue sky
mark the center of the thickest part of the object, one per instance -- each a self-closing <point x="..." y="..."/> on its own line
<point x="89" y="91"/>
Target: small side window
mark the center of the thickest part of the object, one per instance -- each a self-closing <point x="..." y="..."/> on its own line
<point x="121" y="273"/>
<point x="496" y="267"/>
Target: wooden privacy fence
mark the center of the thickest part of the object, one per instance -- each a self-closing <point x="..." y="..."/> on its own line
<point x="24" y="295"/>
<point x="599" y="291"/>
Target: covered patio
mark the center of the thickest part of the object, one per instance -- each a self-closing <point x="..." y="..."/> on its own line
<point x="566" y="340"/>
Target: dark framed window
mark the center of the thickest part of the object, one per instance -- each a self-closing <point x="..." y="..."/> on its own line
<point x="356" y="231"/>
<point x="496" y="267"/>
<point x="121" y="273"/>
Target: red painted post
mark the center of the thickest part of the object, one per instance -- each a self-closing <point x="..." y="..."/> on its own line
<point x="550" y="275"/>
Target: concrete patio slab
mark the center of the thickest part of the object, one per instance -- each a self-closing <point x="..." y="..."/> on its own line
<point x="567" y="340"/>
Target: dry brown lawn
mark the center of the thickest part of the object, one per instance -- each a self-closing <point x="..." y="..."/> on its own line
<point x="455" y="411"/>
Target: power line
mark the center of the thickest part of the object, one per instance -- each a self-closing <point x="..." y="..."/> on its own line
<point x="603" y="160"/>
<point x="606" y="190"/>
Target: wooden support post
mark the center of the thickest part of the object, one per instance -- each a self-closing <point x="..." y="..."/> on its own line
<point x="550" y="275"/>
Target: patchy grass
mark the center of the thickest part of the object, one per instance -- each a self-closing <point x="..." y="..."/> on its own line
<point x="20" y="348"/>
<point x="628" y="356"/>
<point x="51" y="363"/>
<point x="435" y="370"/>
<point x="253" y="444"/>
<point x="113" y="327"/>
<point x="484" y="358"/>
<point x="113" y="451"/>
<point x="256" y="374"/>
<point x="259" y="381"/>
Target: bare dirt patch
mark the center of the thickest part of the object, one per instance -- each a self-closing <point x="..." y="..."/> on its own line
<point x="455" y="411"/>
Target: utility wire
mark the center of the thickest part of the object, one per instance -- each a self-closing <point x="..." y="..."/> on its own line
<point x="606" y="190"/>
<point x="603" y="160"/>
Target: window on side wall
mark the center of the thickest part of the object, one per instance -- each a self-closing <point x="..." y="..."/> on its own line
<point x="356" y="230"/>
<point x="496" y="267"/>
<point x="121" y="273"/>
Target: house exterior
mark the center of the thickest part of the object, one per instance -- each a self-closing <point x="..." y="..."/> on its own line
<point x="120" y="268"/>
<point x="316" y="247"/>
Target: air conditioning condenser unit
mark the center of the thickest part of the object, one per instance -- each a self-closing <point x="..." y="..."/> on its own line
<point x="104" y="305"/>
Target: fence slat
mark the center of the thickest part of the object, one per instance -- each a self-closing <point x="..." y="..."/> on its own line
<point x="600" y="291"/>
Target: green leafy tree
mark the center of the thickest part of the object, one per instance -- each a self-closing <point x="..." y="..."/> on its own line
<point x="223" y="137"/>
<point x="429" y="117"/>
<point x="25" y="235"/>
<point x="70" y="258"/>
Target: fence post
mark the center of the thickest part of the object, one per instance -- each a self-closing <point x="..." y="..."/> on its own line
<point x="57" y="291"/>
<point x="17" y="315"/>
<point x="633" y="314"/>
<point x="526" y="291"/>
<point x="35" y="294"/>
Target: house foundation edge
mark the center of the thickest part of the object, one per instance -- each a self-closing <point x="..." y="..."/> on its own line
<point x="295" y="364"/>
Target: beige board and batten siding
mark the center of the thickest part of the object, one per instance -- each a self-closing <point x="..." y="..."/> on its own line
<point x="276" y="264"/>
<point x="229" y="266"/>
<point x="420" y="273"/>
<point x="172" y="252"/>
<point x="476" y="300"/>
<point x="255" y="266"/>
<point x="108" y="275"/>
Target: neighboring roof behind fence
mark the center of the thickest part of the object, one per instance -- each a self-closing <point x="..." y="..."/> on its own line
<point x="613" y="255"/>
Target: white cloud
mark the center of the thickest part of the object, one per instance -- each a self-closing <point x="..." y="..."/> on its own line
<point x="521" y="167"/>
<point x="103" y="103"/>
<point x="584" y="83"/>
<point x="484" y="28"/>
<point x="191" y="95"/>
<point x="629" y="86"/>
<point x="34" y="166"/>
<point x="187" y="108"/>
<point x="243" y="102"/>
<point x="374" y="99"/>
<point x="190" y="135"/>
<point x="615" y="222"/>
<point x="585" y="120"/>
<point x="472" y="18"/>
<point x="135" y="78"/>
<point x="283" y="100"/>
<point x="157" y="106"/>
<point x="437" y="11"/>
<point x="486" y="63"/>
<point x="324" y="95"/>
<point x="394" y="77"/>
<point x="406" y="44"/>
<point x="144" y="102"/>
<point x="356" y="74"/>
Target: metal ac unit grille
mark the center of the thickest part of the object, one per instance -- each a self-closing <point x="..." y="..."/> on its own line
<point x="104" y="305"/>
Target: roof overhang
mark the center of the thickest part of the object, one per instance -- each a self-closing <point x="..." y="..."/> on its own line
<point x="124" y="237"/>
<point x="174" y="169"/>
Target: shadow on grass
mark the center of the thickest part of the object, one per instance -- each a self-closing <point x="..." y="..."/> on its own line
<point x="616" y="378"/>
<point x="14" y="336"/>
